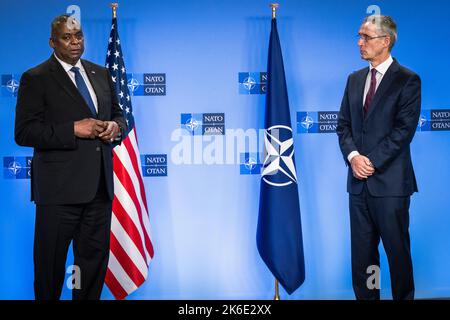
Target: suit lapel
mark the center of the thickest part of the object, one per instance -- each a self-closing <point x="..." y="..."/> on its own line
<point x="64" y="81"/>
<point x="93" y="79"/>
<point x="385" y="84"/>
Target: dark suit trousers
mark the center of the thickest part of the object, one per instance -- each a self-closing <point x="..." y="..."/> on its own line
<point x="88" y="225"/>
<point x="372" y="218"/>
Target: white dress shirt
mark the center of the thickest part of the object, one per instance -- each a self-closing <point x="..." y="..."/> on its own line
<point x="382" y="68"/>
<point x="71" y="75"/>
<point x="381" y="71"/>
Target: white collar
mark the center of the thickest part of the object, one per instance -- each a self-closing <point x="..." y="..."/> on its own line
<point x="68" y="66"/>
<point x="383" y="67"/>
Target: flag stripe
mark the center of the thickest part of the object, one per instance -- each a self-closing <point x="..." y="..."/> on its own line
<point x="116" y="289"/>
<point x="119" y="273"/>
<point x="133" y="175"/>
<point x="124" y="259"/>
<point x="134" y="162"/>
<point x="129" y="244"/>
<point x="121" y="217"/>
<point x="129" y="180"/>
<point x="124" y="198"/>
<point x="135" y="144"/>
<point x="127" y="162"/>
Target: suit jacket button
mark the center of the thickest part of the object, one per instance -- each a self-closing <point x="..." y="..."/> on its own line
<point x="97" y="149"/>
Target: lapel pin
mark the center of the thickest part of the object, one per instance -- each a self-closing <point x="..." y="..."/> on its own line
<point x="92" y="71"/>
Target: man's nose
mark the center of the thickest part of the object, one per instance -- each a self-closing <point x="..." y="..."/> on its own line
<point x="74" y="40"/>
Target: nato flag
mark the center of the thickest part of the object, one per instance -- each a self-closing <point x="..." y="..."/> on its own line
<point x="279" y="232"/>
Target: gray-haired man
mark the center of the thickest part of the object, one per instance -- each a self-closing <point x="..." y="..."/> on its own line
<point x="377" y="121"/>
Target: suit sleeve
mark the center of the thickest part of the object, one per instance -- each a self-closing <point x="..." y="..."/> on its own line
<point x="404" y="128"/>
<point x="31" y="129"/>
<point x="344" y="127"/>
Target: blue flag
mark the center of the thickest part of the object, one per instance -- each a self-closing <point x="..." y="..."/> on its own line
<point x="279" y="233"/>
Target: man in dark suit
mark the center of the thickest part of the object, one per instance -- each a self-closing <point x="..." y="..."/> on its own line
<point x="378" y="118"/>
<point x="67" y="111"/>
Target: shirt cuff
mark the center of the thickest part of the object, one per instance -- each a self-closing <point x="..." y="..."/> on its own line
<point x="352" y="155"/>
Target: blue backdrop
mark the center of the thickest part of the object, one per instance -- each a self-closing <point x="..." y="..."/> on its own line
<point x="203" y="215"/>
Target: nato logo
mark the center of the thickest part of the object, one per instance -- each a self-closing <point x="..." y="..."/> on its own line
<point x="154" y="165"/>
<point x="192" y="122"/>
<point x="249" y="163"/>
<point x="434" y="120"/>
<point x="252" y="82"/>
<point x="317" y="122"/>
<point x="206" y="124"/>
<point x="147" y="84"/>
<point x="16" y="167"/>
<point x="278" y="168"/>
<point x="9" y="85"/>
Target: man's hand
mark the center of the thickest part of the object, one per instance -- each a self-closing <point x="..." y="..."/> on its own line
<point x="362" y="167"/>
<point x="111" y="131"/>
<point x="89" y="128"/>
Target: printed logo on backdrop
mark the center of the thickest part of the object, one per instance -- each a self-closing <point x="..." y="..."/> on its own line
<point x="147" y="84"/>
<point x="154" y="165"/>
<point x="252" y="82"/>
<point x="250" y="163"/>
<point x="317" y="122"/>
<point x="10" y="85"/>
<point x="206" y="124"/>
<point x="16" y="167"/>
<point x="434" y="120"/>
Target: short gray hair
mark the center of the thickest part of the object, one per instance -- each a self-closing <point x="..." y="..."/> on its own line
<point x="386" y="25"/>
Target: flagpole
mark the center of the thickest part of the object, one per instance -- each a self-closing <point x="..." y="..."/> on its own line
<point x="114" y="7"/>
<point x="277" y="293"/>
<point x="274" y="7"/>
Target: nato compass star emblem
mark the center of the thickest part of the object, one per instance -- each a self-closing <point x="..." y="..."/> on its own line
<point x="12" y="85"/>
<point x="422" y="121"/>
<point x="250" y="164"/>
<point x="133" y="84"/>
<point x="192" y="124"/>
<point x="14" y="167"/>
<point x="307" y="122"/>
<point x="249" y="83"/>
<point x="278" y="166"/>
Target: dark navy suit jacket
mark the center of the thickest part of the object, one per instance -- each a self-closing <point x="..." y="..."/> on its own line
<point x="65" y="169"/>
<point x="385" y="134"/>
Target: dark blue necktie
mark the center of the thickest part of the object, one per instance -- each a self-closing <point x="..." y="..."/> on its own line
<point x="83" y="89"/>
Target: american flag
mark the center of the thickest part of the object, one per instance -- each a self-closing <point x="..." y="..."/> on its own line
<point x="131" y="248"/>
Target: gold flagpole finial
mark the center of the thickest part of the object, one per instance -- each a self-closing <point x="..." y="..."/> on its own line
<point x="274" y="7"/>
<point x="277" y="292"/>
<point x="114" y="7"/>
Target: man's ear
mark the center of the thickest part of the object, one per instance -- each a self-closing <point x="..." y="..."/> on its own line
<point x="51" y="43"/>
<point x="388" y="41"/>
